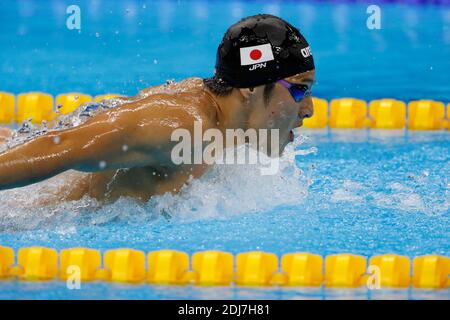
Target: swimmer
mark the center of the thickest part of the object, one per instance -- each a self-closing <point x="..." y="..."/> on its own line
<point x="263" y="77"/>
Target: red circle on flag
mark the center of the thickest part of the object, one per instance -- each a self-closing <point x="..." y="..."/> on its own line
<point x="255" y="54"/>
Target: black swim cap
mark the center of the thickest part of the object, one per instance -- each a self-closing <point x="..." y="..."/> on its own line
<point x="261" y="49"/>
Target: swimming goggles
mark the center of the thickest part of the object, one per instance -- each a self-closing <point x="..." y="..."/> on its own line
<point x="297" y="91"/>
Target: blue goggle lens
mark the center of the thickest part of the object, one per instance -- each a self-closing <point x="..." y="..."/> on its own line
<point x="298" y="92"/>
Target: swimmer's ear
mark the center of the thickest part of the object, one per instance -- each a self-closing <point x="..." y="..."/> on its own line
<point x="247" y="92"/>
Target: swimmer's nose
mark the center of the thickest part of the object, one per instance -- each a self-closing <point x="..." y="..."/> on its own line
<point x="306" y="109"/>
<point x="306" y="114"/>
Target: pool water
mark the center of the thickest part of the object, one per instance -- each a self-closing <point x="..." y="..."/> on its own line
<point x="124" y="46"/>
<point x="360" y="191"/>
<point x="364" y="192"/>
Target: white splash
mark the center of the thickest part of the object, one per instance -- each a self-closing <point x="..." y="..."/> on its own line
<point x="229" y="190"/>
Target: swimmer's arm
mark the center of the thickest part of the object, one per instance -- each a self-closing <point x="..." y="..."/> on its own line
<point x="56" y="152"/>
<point x="91" y="147"/>
<point x="122" y="138"/>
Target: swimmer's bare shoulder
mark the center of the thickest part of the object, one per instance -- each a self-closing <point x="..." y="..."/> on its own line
<point x="136" y="134"/>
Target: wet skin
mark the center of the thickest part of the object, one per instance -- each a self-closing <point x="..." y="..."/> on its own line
<point x="126" y="151"/>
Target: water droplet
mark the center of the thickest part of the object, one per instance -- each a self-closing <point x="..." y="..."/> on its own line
<point x="56" y="139"/>
<point x="155" y="61"/>
<point x="125" y="148"/>
<point x="97" y="34"/>
<point x="102" y="164"/>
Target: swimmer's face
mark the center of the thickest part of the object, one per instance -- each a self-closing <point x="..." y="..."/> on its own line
<point x="281" y="111"/>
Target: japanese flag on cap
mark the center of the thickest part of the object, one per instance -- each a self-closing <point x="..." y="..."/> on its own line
<point x="256" y="54"/>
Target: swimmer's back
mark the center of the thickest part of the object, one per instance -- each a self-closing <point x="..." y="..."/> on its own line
<point x="173" y="105"/>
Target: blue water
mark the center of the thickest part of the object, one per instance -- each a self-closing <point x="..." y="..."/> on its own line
<point x="124" y="46"/>
<point x="368" y="193"/>
<point x="364" y="192"/>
